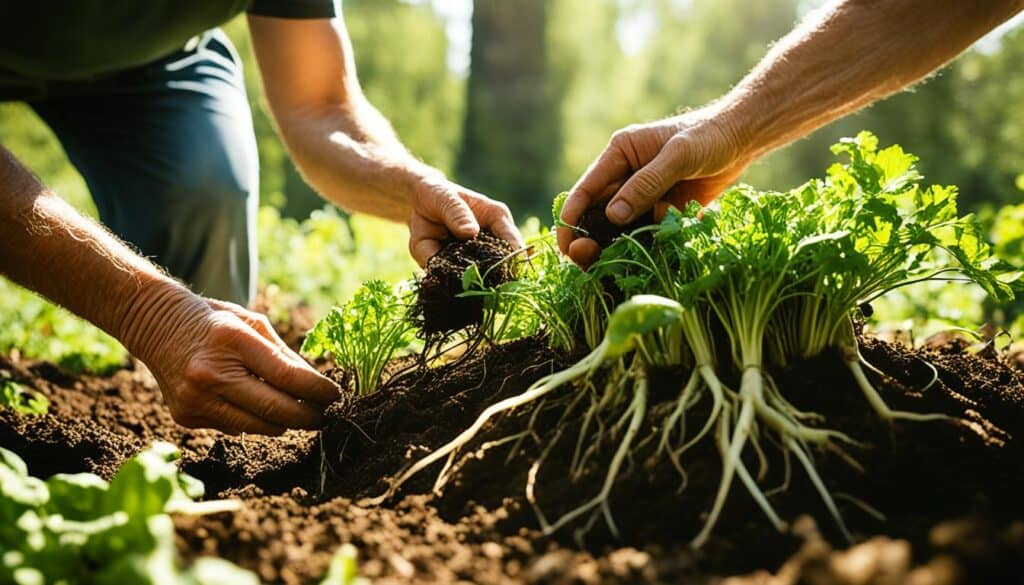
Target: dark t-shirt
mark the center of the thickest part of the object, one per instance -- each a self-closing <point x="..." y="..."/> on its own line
<point x="79" y="39"/>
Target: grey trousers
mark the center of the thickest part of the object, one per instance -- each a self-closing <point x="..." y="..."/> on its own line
<point x="169" y="155"/>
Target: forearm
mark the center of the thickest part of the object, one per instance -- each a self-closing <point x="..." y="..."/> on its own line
<point x="847" y="56"/>
<point x="46" y="246"/>
<point x="351" y="156"/>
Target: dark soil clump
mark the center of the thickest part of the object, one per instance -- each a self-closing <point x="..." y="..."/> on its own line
<point x="598" y="228"/>
<point x="438" y="308"/>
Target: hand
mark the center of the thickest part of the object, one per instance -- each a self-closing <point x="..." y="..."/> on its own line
<point x="224" y="367"/>
<point x="691" y="157"/>
<point x="442" y="209"/>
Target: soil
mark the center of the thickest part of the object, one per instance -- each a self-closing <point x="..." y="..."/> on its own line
<point x="950" y="492"/>
<point x="438" y="308"/>
<point x="598" y="228"/>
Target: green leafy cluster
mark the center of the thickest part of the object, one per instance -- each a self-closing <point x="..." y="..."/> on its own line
<point x="782" y="274"/>
<point x="78" y="528"/>
<point x="39" y="329"/>
<point x="16" y="397"/>
<point x="364" y="333"/>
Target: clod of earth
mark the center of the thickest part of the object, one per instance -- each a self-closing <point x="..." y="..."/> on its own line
<point x="439" y="309"/>
<point x="595" y="225"/>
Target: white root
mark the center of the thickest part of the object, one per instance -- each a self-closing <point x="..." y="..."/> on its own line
<point x="637" y="410"/>
<point x="876" y="401"/>
<point x="540" y="388"/>
<point x="819" y="485"/>
<point x="677" y="415"/>
<point x="732" y="449"/>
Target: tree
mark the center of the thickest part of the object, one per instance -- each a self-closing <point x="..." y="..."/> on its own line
<point x="512" y="133"/>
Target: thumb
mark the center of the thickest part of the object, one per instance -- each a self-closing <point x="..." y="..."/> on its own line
<point x="644" y="188"/>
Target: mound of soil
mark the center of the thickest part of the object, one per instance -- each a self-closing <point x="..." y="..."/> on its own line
<point x="950" y="493"/>
<point x="438" y="308"/>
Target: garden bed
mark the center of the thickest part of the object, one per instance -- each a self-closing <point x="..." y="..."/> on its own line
<point x="950" y="493"/>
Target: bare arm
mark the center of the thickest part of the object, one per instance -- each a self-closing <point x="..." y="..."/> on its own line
<point x="347" y="150"/>
<point x="838" y="60"/>
<point x="217" y="364"/>
<point x="847" y="56"/>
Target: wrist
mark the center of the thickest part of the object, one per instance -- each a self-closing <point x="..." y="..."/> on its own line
<point x="418" y="177"/>
<point x="156" y="314"/>
<point x="727" y="122"/>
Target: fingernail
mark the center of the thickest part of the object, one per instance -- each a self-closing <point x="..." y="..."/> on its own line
<point x="619" y="211"/>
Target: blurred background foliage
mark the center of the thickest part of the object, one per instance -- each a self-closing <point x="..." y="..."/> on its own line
<point x="514" y="98"/>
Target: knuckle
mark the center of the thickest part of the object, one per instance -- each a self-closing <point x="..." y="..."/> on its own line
<point x="620" y="136"/>
<point x="677" y="145"/>
<point x="198" y="371"/>
<point x="627" y="134"/>
<point x="266" y="408"/>
<point x="263" y="323"/>
<point x="647" y="184"/>
<point x="226" y="331"/>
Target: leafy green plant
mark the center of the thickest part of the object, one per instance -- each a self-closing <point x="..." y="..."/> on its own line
<point x="781" y="274"/>
<point x="36" y="328"/>
<point x="364" y="333"/>
<point x="78" y="528"/>
<point x="22" y="400"/>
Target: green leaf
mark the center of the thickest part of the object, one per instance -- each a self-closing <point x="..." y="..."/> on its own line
<point x="556" y="209"/>
<point x="22" y="400"/>
<point x="638" y="316"/>
<point x="77" y="496"/>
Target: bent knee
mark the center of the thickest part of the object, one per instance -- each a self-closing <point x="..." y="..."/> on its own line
<point x="216" y="188"/>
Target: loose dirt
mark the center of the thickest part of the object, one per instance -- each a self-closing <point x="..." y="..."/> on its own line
<point x="950" y="493"/>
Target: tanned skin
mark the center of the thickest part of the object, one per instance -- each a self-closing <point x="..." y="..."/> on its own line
<point x="217" y="364"/>
<point x="839" y="59"/>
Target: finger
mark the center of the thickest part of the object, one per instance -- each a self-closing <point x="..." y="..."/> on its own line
<point x="271" y="405"/>
<point x="230" y="419"/>
<point x="584" y="251"/>
<point x="494" y="216"/>
<point x="703" y="191"/>
<point x="610" y="167"/>
<point x="445" y="206"/>
<point x="290" y="376"/>
<point x="641" y="191"/>
<point x="425" y="238"/>
<point x="258" y="321"/>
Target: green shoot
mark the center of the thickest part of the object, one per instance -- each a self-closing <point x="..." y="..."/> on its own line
<point x="364" y="334"/>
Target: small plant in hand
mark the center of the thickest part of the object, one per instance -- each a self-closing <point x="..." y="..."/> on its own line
<point x="727" y="294"/>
